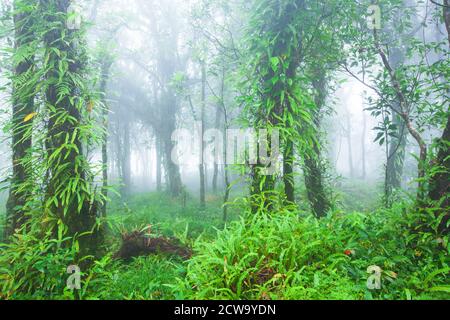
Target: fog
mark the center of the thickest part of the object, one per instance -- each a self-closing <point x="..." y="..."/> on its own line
<point x="155" y="47"/>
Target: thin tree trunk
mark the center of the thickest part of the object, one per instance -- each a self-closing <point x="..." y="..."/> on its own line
<point x="158" y="164"/>
<point x="349" y="144"/>
<point x="126" y="161"/>
<point x="202" y="144"/>
<point x="172" y="170"/>
<point x="105" y="114"/>
<point x="396" y="157"/>
<point x="288" y="171"/>
<point x="397" y="145"/>
<point x="404" y="114"/>
<point x="216" y="165"/>
<point x="363" y="146"/>
<point x="226" y="195"/>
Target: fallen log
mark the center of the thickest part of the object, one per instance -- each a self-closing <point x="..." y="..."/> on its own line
<point x="141" y="243"/>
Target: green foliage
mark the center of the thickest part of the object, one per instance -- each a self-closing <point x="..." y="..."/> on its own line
<point x="284" y="255"/>
<point x="294" y="256"/>
<point x="59" y="200"/>
<point x="34" y="267"/>
<point x="145" y="278"/>
<point x="169" y="216"/>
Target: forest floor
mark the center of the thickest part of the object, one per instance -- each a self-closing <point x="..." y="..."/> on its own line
<point x="290" y="255"/>
<point x="151" y="277"/>
<point x="263" y="259"/>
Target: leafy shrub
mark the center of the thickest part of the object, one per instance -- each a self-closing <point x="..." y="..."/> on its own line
<point x="291" y="256"/>
<point x="34" y="265"/>
<point x="34" y="268"/>
<point x="142" y="279"/>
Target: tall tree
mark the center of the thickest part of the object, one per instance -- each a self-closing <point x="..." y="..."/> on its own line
<point x="276" y="47"/>
<point x="439" y="186"/>
<point x="166" y="37"/>
<point x="23" y="94"/>
<point x="104" y="78"/>
<point x="314" y="168"/>
<point x="202" y="166"/>
<point x="363" y="146"/>
<point x="69" y="195"/>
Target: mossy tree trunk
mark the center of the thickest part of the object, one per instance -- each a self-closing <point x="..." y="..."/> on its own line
<point x="313" y="163"/>
<point x="70" y="196"/>
<point x="22" y="106"/>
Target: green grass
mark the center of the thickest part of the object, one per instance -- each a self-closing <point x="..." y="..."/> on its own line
<point x="283" y="256"/>
<point x="358" y="195"/>
<point x="145" y="278"/>
<point x="171" y="217"/>
<point x="152" y="277"/>
<point x="286" y="255"/>
<point x="295" y="256"/>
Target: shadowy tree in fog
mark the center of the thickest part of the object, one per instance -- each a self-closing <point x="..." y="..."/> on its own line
<point x="164" y="31"/>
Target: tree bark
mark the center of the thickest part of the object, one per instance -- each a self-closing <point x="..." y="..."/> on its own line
<point x="67" y="163"/>
<point x="158" y="164"/>
<point x="397" y="145"/>
<point x="396" y="157"/>
<point x="105" y="69"/>
<point x="363" y="146"/>
<point x="439" y="183"/>
<point x="22" y="105"/>
<point x="202" y="143"/>
<point x="349" y="144"/>
<point x="172" y="170"/>
<point x="313" y="170"/>
<point x="126" y="159"/>
<point x="216" y="166"/>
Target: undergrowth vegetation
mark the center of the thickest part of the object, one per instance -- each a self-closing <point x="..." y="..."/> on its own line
<point x="294" y="256"/>
<point x="287" y="255"/>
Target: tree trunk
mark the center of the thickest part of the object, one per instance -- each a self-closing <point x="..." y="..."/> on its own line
<point x="202" y="143"/>
<point x="166" y="43"/>
<point x="404" y="114"/>
<point x="125" y="159"/>
<point x="22" y="105"/>
<point x="396" y="157"/>
<point x="288" y="171"/>
<point x="172" y="170"/>
<point x="439" y="185"/>
<point x="396" y="153"/>
<point x="363" y="146"/>
<point x="67" y="165"/>
<point x="216" y="165"/>
<point x="314" y="169"/>
<point x="158" y="164"/>
<point x="276" y="93"/>
<point x="106" y="66"/>
<point x="349" y="144"/>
